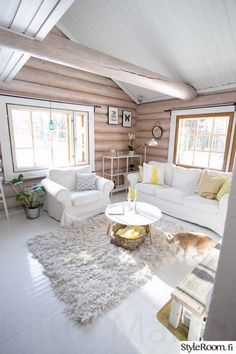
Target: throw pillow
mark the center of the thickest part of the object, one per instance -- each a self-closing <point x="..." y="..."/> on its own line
<point x="210" y="184"/>
<point x="85" y="181"/>
<point x="153" y="174"/>
<point x="186" y="178"/>
<point x="224" y="189"/>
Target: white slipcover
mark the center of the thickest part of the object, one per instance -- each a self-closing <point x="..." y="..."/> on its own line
<point x="178" y="197"/>
<point x="149" y="188"/>
<point x="65" y="204"/>
<point x="174" y="195"/>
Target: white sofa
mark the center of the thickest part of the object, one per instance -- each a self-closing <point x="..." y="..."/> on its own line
<point x="178" y="197"/>
<point x="65" y="204"/>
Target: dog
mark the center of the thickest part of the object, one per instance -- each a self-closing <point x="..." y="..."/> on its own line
<point x="184" y="240"/>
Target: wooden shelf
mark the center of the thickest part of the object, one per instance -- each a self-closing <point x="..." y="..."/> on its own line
<point x="116" y="173"/>
<point x="115" y="170"/>
<point x="120" y="187"/>
<point x="120" y="157"/>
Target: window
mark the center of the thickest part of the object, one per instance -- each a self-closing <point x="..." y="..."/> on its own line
<point x="202" y="140"/>
<point x="41" y="136"/>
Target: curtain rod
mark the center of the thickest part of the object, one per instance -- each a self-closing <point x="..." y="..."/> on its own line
<point x="199" y="107"/>
<point x="48" y="100"/>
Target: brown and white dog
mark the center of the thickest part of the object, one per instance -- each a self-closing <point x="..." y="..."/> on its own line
<point x="184" y="240"/>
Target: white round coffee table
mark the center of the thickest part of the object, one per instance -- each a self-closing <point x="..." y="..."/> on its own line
<point x="145" y="215"/>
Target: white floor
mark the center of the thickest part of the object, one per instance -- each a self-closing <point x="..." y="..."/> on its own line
<point x="32" y="319"/>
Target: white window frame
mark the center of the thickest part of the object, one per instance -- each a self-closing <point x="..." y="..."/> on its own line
<point x="5" y="140"/>
<point x="210" y="110"/>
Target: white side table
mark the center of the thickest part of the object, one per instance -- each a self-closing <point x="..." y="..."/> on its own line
<point x="2" y="198"/>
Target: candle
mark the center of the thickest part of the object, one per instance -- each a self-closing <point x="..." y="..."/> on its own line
<point x="135" y="194"/>
<point x="135" y="200"/>
<point x="129" y="194"/>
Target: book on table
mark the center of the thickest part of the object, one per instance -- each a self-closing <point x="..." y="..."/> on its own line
<point x="116" y="210"/>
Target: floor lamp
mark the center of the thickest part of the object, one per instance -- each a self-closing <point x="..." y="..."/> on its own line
<point x="151" y="143"/>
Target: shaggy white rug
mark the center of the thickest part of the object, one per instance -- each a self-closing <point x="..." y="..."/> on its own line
<point x="91" y="275"/>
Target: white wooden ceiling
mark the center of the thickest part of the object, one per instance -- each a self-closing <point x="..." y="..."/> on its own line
<point x="188" y="40"/>
<point x="32" y="17"/>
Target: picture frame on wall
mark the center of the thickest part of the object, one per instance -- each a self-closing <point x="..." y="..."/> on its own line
<point x="126" y="119"/>
<point x="113" y="116"/>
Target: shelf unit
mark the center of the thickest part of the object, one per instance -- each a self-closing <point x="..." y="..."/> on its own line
<point x="115" y="171"/>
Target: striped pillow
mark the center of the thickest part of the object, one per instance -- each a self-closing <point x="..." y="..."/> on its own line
<point x="85" y="181"/>
<point x="210" y="184"/>
<point x="225" y="189"/>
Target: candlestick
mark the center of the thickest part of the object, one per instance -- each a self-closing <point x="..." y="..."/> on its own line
<point x="129" y="195"/>
<point x="135" y="199"/>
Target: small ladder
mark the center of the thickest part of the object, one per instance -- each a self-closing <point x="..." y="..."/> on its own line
<point x="2" y="198"/>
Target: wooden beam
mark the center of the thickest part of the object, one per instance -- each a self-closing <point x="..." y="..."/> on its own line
<point x="70" y="83"/>
<point x="42" y="21"/>
<point x="65" y="52"/>
<point x="35" y="63"/>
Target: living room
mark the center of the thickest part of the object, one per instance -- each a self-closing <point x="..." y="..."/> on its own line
<point x="117" y="127"/>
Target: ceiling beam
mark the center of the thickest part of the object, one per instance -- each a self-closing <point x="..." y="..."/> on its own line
<point x="48" y="14"/>
<point x="65" y="52"/>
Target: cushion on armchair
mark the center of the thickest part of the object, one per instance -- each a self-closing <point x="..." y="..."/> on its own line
<point x="66" y="176"/>
<point x="85" y="181"/>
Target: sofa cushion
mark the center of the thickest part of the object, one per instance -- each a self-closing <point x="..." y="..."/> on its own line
<point x="210" y="184"/>
<point x="186" y="178"/>
<point x="148" y="188"/>
<point x="168" y="171"/>
<point x="224" y="189"/>
<point x="66" y="176"/>
<point x="174" y="195"/>
<point x="85" y="181"/>
<point x="153" y="174"/>
<point x="203" y="204"/>
<point x="86" y="197"/>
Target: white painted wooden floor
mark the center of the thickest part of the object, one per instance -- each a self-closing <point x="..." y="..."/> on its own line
<point x="32" y="319"/>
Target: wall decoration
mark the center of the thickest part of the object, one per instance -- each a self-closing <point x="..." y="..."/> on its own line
<point x="113" y="116"/>
<point x="126" y="121"/>
<point x="157" y="131"/>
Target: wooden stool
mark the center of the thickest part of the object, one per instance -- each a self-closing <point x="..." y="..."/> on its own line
<point x="2" y="198"/>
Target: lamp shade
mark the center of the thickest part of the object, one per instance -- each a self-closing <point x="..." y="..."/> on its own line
<point x="152" y="142"/>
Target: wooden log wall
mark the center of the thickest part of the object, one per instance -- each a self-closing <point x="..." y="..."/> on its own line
<point x="151" y="113"/>
<point x="40" y="79"/>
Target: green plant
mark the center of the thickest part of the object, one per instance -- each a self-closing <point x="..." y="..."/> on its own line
<point x="29" y="196"/>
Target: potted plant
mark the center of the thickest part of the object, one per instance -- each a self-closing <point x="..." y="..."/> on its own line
<point x="131" y="137"/>
<point x="29" y="196"/>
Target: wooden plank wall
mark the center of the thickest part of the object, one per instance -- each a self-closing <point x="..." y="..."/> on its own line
<point x="40" y="79"/>
<point x="150" y="113"/>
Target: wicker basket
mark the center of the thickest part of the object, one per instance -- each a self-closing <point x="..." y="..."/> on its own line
<point x="127" y="243"/>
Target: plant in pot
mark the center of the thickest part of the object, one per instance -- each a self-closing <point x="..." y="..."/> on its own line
<point x="131" y="137"/>
<point x="29" y="196"/>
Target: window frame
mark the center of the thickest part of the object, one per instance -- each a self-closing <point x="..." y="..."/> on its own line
<point x="233" y="152"/>
<point x="227" y="143"/>
<point x="211" y="111"/>
<point x="6" y="132"/>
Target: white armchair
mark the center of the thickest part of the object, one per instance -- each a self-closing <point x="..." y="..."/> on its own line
<point x="63" y="203"/>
